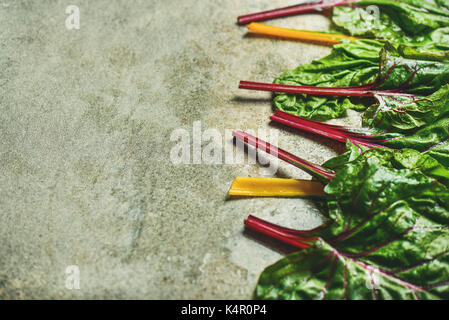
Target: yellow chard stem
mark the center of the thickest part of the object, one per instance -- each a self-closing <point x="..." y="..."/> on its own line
<point x="321" y="37"/>
<point x="275" y="187"/>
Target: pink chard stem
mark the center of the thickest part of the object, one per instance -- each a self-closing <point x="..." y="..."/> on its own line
<point x="318" y="91"/>
<point x="368" y="90"/>
<point x="313" y="169"/>
<point x="334" y="132"/>
<point x="292" y="237"/>
<point x="309" y="7"/>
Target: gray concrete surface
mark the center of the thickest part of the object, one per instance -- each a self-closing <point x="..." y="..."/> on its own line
<point x="85" y="173"/>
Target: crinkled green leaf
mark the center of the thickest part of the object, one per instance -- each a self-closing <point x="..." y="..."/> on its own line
<point x="421" y="123"/>
<point x="398" y="159"/>
<point x="360" y="63"/>
<point x="417" y="76"/>
<point x="408" y="113"/>
<point x="396" y="121"/>
<point x="353" y="153"/>
<point x="321" y="272"/>
<point x="389" y="238"/>
<point x="350" y="64"/>
<point x="412" y="22"/>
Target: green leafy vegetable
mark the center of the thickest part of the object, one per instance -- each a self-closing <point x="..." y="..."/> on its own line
<point x="387" y="197"/>
<point x="423" y="24"/>
<point x="418" y="76"/>
<point x="398" y="159"/>
<point x="397" y="122"/>
<point x="368" y="63"/>
<point x="420" y="23"/>
<point x="388" y="235"/>
<point x="350" y="64"/>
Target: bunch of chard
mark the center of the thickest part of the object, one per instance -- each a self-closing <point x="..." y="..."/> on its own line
<point x="387" y="199"/>
<point x="387" y="234"/>
<point x="423" y="24"/>
<point x="351" y="74"/>
<point x="395" y="122"/>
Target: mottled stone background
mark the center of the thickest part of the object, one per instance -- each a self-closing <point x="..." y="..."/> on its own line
<point x="85" y="121"/>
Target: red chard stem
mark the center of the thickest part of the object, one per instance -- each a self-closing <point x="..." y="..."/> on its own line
<point x="310" y="127"/>
<point x="308" y="7"/>
<point x="313" y="169"/>
<point x="318" y="91"/>
<point x="367" y="90"/>
<point x="289" y="236"/>
<point x="334" y="132"/>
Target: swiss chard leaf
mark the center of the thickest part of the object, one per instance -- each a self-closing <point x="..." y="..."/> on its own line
<point x="423" y="24"/>
<point x="396" y="122"/>
<point x="417" y="76"/>
<point x="421" y="124"/>
<point x="350" y="64"/>
<point x="397" y="159"/>
<point x="361" y="63"/>
<point x="411" y="22"/>
<point x="389" y="238"/>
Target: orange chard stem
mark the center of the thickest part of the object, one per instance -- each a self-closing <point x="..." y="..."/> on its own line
<point x="321" y="37"/>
